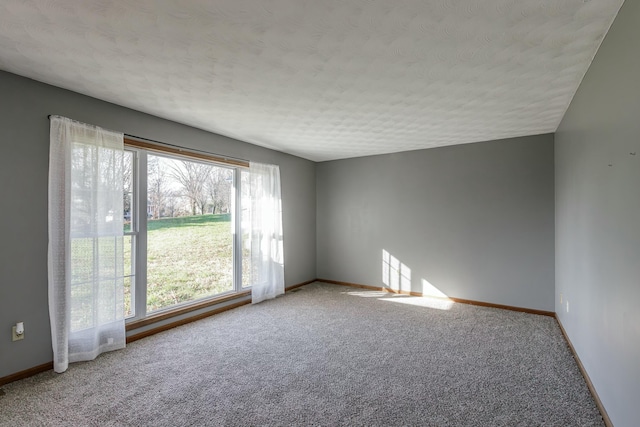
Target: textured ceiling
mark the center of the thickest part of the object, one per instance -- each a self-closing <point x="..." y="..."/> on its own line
<point x="322" y="79"/>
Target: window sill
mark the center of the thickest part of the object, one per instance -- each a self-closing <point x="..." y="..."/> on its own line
<point x="168" y="314"/>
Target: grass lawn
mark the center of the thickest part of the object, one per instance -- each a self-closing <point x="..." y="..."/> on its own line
<point x="188" y="258"/>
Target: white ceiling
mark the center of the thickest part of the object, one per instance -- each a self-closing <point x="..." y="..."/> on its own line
<point x="321" y="79"/>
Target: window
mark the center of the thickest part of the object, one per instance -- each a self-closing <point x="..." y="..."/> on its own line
<point x="129" y="181"/>
<point x="182" y="241"/>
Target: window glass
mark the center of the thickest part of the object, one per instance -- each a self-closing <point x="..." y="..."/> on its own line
<point x="189" y="231"/>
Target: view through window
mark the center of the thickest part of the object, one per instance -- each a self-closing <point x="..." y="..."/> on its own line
<point x="180" y="231"/>
<point x="189" y="234"/>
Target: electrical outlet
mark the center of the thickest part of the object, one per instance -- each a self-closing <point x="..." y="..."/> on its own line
<point x="567" y="306"/>
<point x="560" y="297"/>
<point x="14" y="336"/>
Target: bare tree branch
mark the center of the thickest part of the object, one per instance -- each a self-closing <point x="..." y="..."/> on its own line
<point x="192" y="177"/>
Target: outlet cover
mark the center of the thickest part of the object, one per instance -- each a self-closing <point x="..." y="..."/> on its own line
<point x="14" y="336"/>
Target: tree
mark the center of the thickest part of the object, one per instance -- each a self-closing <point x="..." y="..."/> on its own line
<point x="127" y="179"/>
<point x="192" y="177"/>
<point x="158" y="191"/>
<point x="219" y="189"/>
<point x="172" y="204"/>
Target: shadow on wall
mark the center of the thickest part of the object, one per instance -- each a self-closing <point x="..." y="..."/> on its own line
<point x="396" y="277"/>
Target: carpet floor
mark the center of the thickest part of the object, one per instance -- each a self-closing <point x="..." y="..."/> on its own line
<point x="324" y="355"/>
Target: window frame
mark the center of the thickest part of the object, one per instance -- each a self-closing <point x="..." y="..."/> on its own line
<point x="133" y="233"/>
<point x="138" y="230"/>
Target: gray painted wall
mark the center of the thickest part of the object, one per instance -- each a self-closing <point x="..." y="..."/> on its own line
<point x="24" y="156"/>
<point x="475" y="221"/>
<point x="598" y="219"/>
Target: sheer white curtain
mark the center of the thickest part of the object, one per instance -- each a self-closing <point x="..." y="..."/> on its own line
<point x="267" y="257"/>
<point x="86" y="260"/>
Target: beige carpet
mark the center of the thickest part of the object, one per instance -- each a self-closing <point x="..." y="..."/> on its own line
<point x="324" y="355"/>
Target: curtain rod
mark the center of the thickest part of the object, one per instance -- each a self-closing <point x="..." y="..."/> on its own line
<point x="178" y="147"/>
